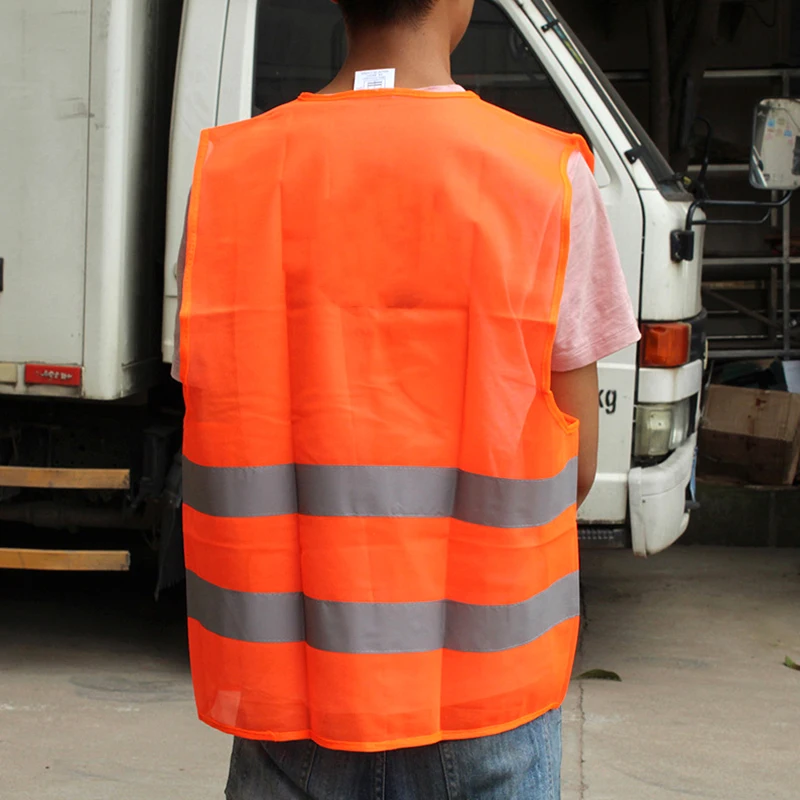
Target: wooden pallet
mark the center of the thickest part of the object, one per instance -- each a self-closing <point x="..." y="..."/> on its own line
<point x="54" y="478"/>
<point x="65" y="560"/>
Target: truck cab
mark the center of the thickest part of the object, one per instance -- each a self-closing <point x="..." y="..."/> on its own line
<point x="240" y="58"/>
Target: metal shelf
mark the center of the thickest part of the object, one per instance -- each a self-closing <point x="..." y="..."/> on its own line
<point x="739" y="74"/>
<point x="741" y="355"/>
<point x="748" y="261"/>
<point x="725" y="169"/>
<point x="778" y="334"/>
<point x="634" y="76"/>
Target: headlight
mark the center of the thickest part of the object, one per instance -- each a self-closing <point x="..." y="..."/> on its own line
<point x="661" y="428"/>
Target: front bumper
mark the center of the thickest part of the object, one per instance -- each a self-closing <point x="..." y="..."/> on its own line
<point x="657" y="497"/>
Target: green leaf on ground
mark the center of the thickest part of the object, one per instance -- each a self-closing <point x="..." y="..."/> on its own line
<point x="602" y="675"/>
<point x="791" y="664"/>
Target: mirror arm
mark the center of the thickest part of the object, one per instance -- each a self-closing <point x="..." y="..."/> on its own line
<point x="743" y="204"/>
<point x="682" y="241"/>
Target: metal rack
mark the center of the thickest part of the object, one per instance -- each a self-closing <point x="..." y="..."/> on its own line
<point x="781" y="336"/>
<point x="778" y="332"/>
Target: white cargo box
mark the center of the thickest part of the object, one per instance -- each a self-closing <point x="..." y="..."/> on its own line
<point x="85" y="88"/>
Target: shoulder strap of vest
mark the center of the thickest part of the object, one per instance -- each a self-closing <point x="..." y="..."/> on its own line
<point x="580" y="144"/>
<point x="576" y="144"/>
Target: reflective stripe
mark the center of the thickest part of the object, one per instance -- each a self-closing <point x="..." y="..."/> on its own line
<point x="380" y="627"/>
<point x="506" y="503"/>
<point x="240" y="491"/>
<point x="487" y="629"/>
<point x="372" y="491"/>
<point x="247" y="617"/>
<point x="324" y="491"/>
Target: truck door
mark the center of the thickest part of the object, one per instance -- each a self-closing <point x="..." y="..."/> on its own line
<point x="44" y="126"/>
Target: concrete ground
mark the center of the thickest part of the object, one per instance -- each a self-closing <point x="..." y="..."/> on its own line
<point x="705" y="708"/>
<point x="95" y="698"/>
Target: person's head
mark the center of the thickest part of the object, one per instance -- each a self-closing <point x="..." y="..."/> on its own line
<point x="365" y="15"/>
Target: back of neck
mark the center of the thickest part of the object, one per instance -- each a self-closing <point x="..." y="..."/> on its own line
<point x="419" y="56"/>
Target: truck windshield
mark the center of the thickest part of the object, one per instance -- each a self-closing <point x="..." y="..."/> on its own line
<point x="642" y="146"/>
<point x="301" y="44"/>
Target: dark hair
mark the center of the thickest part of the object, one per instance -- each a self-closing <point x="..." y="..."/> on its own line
<point x="366" y="13"/>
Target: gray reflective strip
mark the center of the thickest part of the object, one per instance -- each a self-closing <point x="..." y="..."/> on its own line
<point x="380" y="627"/>
<point x="486" y="629"/>
<point x="325" y="491"/>
<point x="376" y="627"/>
<point x="372" y="491"/>
<point x="506" y="503"/>
<point x="247" y="617"/>
<point x="240" y="491"/>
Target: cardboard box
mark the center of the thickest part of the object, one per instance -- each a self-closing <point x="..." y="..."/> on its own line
<point x="750" y="434"/>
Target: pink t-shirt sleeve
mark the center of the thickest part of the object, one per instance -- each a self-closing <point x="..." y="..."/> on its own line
<point x="596" y="317"/>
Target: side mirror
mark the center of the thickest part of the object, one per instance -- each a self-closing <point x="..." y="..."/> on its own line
<point x="775" y="155"/>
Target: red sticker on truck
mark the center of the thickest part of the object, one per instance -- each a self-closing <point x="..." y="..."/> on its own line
<point x="52" y="375"/>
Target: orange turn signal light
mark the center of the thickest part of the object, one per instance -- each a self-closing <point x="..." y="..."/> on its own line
<point x="665" y="344"/>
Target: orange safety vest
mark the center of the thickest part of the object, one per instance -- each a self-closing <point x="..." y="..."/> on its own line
<point x="379" y="490"/>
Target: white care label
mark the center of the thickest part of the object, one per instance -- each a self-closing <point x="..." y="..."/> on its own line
<point x="374" y="79"/>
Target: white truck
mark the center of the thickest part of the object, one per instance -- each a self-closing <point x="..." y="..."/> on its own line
<point x="96" y="156"/>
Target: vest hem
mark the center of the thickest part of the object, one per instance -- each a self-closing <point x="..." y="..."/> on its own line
<point x="374" y="747"/>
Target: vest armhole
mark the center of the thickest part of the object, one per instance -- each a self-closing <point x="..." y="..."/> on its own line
<point x="191" y="249"/>
<point x="563" y="257"/>
<point x="582" y="146"/>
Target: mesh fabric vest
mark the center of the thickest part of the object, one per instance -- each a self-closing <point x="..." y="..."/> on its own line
<point x="379" y="490"/>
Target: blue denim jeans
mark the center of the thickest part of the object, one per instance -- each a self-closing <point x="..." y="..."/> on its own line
<point x="522" y="764"/>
